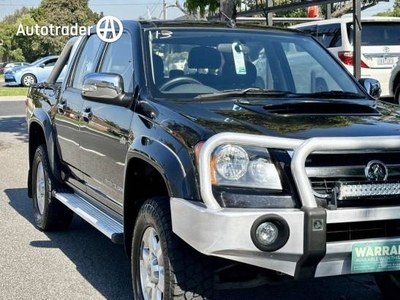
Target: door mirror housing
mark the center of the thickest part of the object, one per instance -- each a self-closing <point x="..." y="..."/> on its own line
<point x="105" y="88"/>
<point x="372" y="86"/>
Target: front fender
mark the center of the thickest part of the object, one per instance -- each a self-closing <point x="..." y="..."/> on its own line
<point x="175" y="167"/>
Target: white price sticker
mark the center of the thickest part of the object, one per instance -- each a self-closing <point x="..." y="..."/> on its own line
<point x="238" y="58"/>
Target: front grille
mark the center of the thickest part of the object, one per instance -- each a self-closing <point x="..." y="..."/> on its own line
<point x="327" y="170"/>
<point x="362" y="230"/>
<point x="351" y="159"/>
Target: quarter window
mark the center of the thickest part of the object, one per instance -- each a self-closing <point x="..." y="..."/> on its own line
<point x="86" y="61"/>
<point x="118" y="59"/>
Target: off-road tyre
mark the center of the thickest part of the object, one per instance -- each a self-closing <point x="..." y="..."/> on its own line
<point x="50" y="214"/>
<point x="389" y="284"/>
<point x="187" y="273"/>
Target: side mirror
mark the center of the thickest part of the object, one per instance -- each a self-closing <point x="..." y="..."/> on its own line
<point x="42" y="65"/>
<point x="105" y="87"/>
<point x="372" y="86"/>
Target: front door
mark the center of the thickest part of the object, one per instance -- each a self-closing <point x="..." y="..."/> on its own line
<point x="105" y="131"/>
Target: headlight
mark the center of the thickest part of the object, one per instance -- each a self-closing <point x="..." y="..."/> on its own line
<point x="231" y="162"/>
<point x="15" y="71"/>
<point x="263" y="171"/>
<point x="239" y="166"/>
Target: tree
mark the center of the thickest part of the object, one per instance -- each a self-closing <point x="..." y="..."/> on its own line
<point x="62" y="13"/>
<point x="392" y="13"/>
<point x="49" y="12"/>
<point x="9" y="49"/>
<point x="193" y="6"/>
<point x="228" y="9"/>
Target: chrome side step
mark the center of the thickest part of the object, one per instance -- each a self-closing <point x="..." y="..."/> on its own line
<point x="100" y="220"/>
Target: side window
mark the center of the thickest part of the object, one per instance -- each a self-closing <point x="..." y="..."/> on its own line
<point x="50" y="62"/>
<point x="118" y="59"/>
<point x="86" y="61"/>
<point x="327" y="34"/>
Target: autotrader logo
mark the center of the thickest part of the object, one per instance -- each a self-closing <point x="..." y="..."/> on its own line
<point x="109" y="29"/>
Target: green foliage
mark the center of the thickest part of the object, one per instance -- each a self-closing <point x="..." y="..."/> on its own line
<point x="13" y="91"/>
<point x="56" y="12"/>
<point x="293" y="13"/>
<point x="392" y="13"/>
<point x="212" y="5"/>
<point x="201" y="5"/>
<point x="61" y="13"/>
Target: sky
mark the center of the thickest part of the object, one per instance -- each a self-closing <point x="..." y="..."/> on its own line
<point x="122" y="9"/>
<point x="382" y="6"/>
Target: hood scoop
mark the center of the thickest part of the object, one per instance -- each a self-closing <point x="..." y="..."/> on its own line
<point x="315" y="108"/>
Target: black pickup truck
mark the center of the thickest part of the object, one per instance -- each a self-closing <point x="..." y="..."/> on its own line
<point x="216" y="153"/>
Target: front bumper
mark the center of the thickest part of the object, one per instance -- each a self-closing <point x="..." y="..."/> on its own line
<point x="10" y="79"/>
<point x="226" y="232"/>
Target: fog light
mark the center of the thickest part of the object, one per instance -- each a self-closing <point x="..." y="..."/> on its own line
<point x="270" y="232"/>
<point x="267" y="233"/>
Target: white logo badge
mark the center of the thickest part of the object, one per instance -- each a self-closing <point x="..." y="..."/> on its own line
<point x="110" y="24"/>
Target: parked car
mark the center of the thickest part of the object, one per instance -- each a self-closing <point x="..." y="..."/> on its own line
<point x="35" y="72"/>
<point x="10" y="65"/>
<point x="394" y="83"/>
<point x="380" y="44"/>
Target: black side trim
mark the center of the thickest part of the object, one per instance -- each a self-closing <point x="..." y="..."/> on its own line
<point x="30" y="183"/>
<point x="314" y="242"/>
<point x="117" y="238"/>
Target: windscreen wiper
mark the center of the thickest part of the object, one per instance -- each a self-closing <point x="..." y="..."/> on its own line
<point x="248" y="92"/>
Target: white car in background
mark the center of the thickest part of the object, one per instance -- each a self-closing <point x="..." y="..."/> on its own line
<point x="380" y="44"/>
<point x="394" y="83"/>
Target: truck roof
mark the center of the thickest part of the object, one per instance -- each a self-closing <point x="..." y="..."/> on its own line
<point x="153" y="24"/>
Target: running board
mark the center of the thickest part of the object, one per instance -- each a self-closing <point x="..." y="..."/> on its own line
<point x="100" y="220"/>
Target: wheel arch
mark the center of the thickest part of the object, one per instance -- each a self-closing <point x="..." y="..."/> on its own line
<point x="153" y="170"/>
<point x="40" y="132"/>
<point x="396" y="83"/>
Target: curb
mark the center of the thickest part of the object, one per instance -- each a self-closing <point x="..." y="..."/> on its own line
<point x="12" y="98"/>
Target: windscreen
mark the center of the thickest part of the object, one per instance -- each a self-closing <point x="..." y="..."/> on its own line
<point x="190" y="62"/>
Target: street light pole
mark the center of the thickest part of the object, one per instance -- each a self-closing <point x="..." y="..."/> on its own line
<point x="357" y="39"/>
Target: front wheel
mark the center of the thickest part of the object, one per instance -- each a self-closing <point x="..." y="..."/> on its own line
<point x="28" y="79"/>
<point x="163" y="267"/>
<point x="389" y="284"/>
<point x="50" y="214"/>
